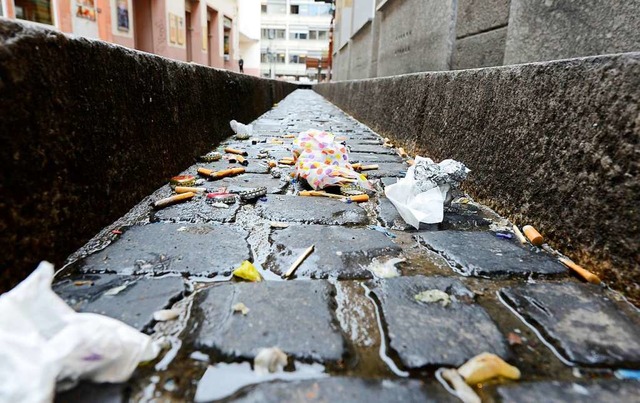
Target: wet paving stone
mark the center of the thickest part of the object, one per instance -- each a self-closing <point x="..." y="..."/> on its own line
<point x="296" y="316"/>
<point x="430" y="334"/>
<point x="484" y="254"/>
<point x="388" y="169"/>
<point x="312" y="210"/>
<point x="87" y="392"/>
<point x="581" y="323"/>
<point x="369" y="158"/>
<point x="195" y="211"/>
<point x="242" y="183"/>
<point x="389" y="217"/>
<point x="370" y="148"/>
<point x="572" y="392"/>
<point x="342" y="389"/>
<point x="132" y="300"/>
<point x="256" y="166"/>
<point x="204" y="250"/>
<point x="339" y="252"/>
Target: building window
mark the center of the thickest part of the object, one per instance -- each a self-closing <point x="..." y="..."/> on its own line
<point x="313" y="34"/>
<point x="34" y="10"/>
<point x="280" y="58"/>
<point x="263" y="8"/>
<point x="297" y="59"/>
<point x="323" y="35"/>
<point x="298" y="35"/>
<point x="295" y="9"/>
<point x="271" y="33"/>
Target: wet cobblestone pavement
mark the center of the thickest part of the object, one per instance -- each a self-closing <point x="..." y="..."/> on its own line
<point x="349" y="335"/>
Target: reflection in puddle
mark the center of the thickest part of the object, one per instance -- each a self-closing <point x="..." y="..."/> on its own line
<point x="223" y="379"/>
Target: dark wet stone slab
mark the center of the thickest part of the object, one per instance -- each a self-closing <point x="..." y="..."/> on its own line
<point x="296" y="316"/>
<point x="130" y="299"/>
<point x="339" y="252"/>
<point x="389" y="217"/>
<point x="87" y="392"/>
<point x="241" y="183"/>
<point x="342" y="389"/>
<point x="580" y="321"/>
<point x="368" y="148"/>
<point x="484" y="254"/>
<point x="386" y="181"/>
<point x="172" y="248"/>
<point x="195" y="211"/>
<point x="572" y="392"/>
<point x="312" y="210"/>
<point x="388" y="169"/>
<point x="429" y="334"/>
<point x="370" y="158"/>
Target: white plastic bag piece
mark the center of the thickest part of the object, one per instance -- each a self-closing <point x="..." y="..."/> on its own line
<point x="239" y="128"/>
<point x="424" y="201"/>
<point x="44" y="341"/>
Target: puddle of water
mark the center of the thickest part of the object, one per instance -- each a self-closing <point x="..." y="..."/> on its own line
<point x="223" y="380"/>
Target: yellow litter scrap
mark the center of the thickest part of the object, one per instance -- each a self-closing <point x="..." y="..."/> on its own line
<point x="247" y="271"/>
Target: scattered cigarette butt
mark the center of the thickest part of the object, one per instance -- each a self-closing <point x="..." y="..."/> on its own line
<point x="341" y="138"/>
<point x="205" y="171"/>
<point x="164" y="315"/>
<point x="289" y="136"/>
<point x="241" y="160"/>
<point x="240" y="307"/>
<point x="532" y="235"/>
<point x="272" y="164"/>
<point x="286" y="162"/>
<point x="80" y="283"/>
<point x="186" y="189"/>
<point x="357" y="198"/>
<point x="299" y="261"/>
<point x="173" y="199"/>
<point x="463" y="391"/>
<point x="411" y="162"/>
<point x="276" y="224"/>
<point x="221" y="174"/>
<point x="234" y="151"/>
<point x="519" y="235"/>
<point x="368" y="167"/>
<point x="402" y="152"/>
<point x="584" y="273"/>
<point x="276" y="141"/>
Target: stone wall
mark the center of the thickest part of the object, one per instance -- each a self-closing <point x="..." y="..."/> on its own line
<point x="552" y="144"/>
<point x="560" y="29"/>
<point x="88" y="129"/>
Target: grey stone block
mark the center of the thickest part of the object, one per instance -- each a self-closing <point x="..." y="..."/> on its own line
<point x="484" y="254"/>
<point x="172" y="248"/>
<point x="371" y="158"/>
<point x="134" y="304"/>
<point x="429" y="334"/>
<point x="343" y="253"/>
<point x="475" y="16"/>
<point x="360" y="48"/>
<point x="415" y="35"/>
<point x="312" y="210"/>
<point x="572" y="392"/>
<point x="481" y="50"/>
<point x="580" y="321"/>
<point x="551" y="144"/>
<point x="196" y="211"/>
<point x="303" y="327"/>
<point x="343" y="389"/>
<point x="561" y="29"/>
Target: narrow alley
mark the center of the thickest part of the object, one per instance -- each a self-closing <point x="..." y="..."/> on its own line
<point x="350" y="319"/>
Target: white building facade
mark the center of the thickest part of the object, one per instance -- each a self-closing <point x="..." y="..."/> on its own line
<point x="293" y="31"/>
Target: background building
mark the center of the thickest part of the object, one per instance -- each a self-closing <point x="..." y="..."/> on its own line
<point x="201" y="31"/>
<point x="294" y="33"/>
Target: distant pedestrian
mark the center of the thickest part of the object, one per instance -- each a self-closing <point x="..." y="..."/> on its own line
<point x="241" y="64"/>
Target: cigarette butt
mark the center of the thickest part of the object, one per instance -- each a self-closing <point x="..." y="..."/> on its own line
<point x="341" y="138"/>
<point x="272" y="164"/>
<point x="532" y="235"/>
<point x="276" y="141"/>
<point x="584" y="273"/>
<point x="234" y="151"/>
<point x="299" y="261"/>
<point x="286" y="162"/>
<point x="187" y="189"/>
<point x="173" y="199"/>
<point x="368" y="167"/>
<point x="289" y="136"/>
<point x="411" y="162"/>
<point x="358" y="198"/>
<point x="205" y="171"/>
<point x="402" y="152"/>
<point x="227" y="172"/>
<point x="519" y="235"/>
<point x="356" y="166"/>
<point x="241" y="160"/>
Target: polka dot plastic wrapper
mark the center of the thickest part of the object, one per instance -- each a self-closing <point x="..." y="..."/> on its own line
<point x="323" y="162"/>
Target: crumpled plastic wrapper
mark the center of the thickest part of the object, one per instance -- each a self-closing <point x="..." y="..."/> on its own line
<point x="241" y="129"/>
<point x="323" y="162"/>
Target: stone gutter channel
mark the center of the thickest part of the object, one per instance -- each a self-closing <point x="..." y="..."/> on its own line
<point x="349" y="336"/>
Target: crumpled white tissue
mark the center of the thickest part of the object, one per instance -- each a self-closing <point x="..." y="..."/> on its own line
<point x="43" y="342"/>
